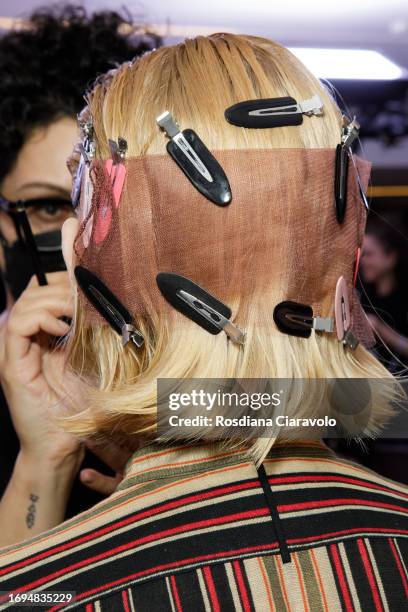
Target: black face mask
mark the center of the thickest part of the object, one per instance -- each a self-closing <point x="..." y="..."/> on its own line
<point x="18" y="264"/>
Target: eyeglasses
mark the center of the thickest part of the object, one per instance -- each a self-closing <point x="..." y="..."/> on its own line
<point x="44" y="214"/>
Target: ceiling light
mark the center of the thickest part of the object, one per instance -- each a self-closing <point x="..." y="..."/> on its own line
<point x="363" y="64"/>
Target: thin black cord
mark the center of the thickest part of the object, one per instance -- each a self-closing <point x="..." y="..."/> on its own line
<point x="267" y="489"/>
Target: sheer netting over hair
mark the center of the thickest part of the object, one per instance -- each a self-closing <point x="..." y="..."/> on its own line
<point x="278" y="240"/>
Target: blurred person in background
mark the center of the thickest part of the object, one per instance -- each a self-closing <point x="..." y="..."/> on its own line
<point x="384" y="296"/>
<point x="384" y="292"/>
<point x="45" y="68"/>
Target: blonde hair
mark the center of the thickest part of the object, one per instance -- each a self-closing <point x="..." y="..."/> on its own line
<point x="196" y="81"/>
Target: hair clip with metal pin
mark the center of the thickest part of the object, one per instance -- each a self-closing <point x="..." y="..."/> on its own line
<point x="298" y="320"/>
<point x="196" y="161"/>
<point x="87" y="146"/>
<point x="108" y="306"/>
<point x="272" y="112"/>
<point x="349" y="134"/>
<point x="118" y="149"/>
<point x="87" y="150"/>
<point x="198" y="305"/>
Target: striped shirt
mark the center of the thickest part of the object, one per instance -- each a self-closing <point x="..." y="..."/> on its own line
<point x="193" y="528"/>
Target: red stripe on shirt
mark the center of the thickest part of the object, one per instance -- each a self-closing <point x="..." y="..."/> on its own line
<point x="211" y="589"/>
<point x="241" y="586"/>
<point x="399" y="565"/>
<point x="175" y="594"/>
<point x="314" y="478"/>
<point x="342" y="579"/>
<point x="125" y="601"/>
<point x="370" y="575"/>
<point x="331" y="534"/>
<point x="337" y="502"/>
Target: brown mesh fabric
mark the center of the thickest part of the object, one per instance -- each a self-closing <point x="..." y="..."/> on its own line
<point x="279" y="237"/>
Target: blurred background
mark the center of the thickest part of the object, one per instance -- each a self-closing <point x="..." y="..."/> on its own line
<point x="361" y="49"/>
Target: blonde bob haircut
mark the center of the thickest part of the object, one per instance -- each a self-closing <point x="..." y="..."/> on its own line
<point x="197" y="80"/>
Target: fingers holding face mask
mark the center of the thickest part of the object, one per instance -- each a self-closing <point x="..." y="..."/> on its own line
<point x="38" y="309"/>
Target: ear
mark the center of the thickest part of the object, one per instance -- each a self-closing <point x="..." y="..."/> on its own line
<point x="69" y="231"/>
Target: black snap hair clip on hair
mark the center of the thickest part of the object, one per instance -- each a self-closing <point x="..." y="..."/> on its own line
<point x="198" y="305"/>
<point x="196" y="161"/>
<point x="108" y="306"/>
<point x="272" y="112"/>
<point x="297" y="319"/>
<point x="293" y="318"/>
<point x="349" y="134"/>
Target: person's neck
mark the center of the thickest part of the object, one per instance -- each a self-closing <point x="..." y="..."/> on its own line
<point x="386" y="285"/>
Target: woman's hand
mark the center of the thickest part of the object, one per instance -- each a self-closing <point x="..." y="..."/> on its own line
<point x="27" y="360"/>
<point x="115" y="458"/>
<point x="49" y="458"/>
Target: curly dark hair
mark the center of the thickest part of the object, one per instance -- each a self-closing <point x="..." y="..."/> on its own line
<point x="46" y="67"/>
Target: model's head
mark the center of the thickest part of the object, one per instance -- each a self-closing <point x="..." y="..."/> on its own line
<point x="278" y="240"/>
<point x="45" y="66"/>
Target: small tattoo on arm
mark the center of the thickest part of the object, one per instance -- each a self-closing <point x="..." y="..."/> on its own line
<point x="32" y="508"/>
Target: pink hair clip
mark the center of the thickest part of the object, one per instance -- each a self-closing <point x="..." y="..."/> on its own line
<point x="116" y="170"/>
<point x="342" y="315"/>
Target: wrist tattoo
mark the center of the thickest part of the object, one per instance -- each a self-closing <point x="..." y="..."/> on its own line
<point x="32" y="508"/>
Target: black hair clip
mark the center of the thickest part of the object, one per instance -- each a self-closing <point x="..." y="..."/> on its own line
<point x="196" y="161"/>
<point x="349" y="133"/>
<point x="107" y="304"/>
<point x="198" y="305"/>
<point x="297" y="320"/>
<point x="272" y="112"/>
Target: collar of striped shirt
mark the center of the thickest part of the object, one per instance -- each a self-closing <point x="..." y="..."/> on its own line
<point x="157" y="461"/>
